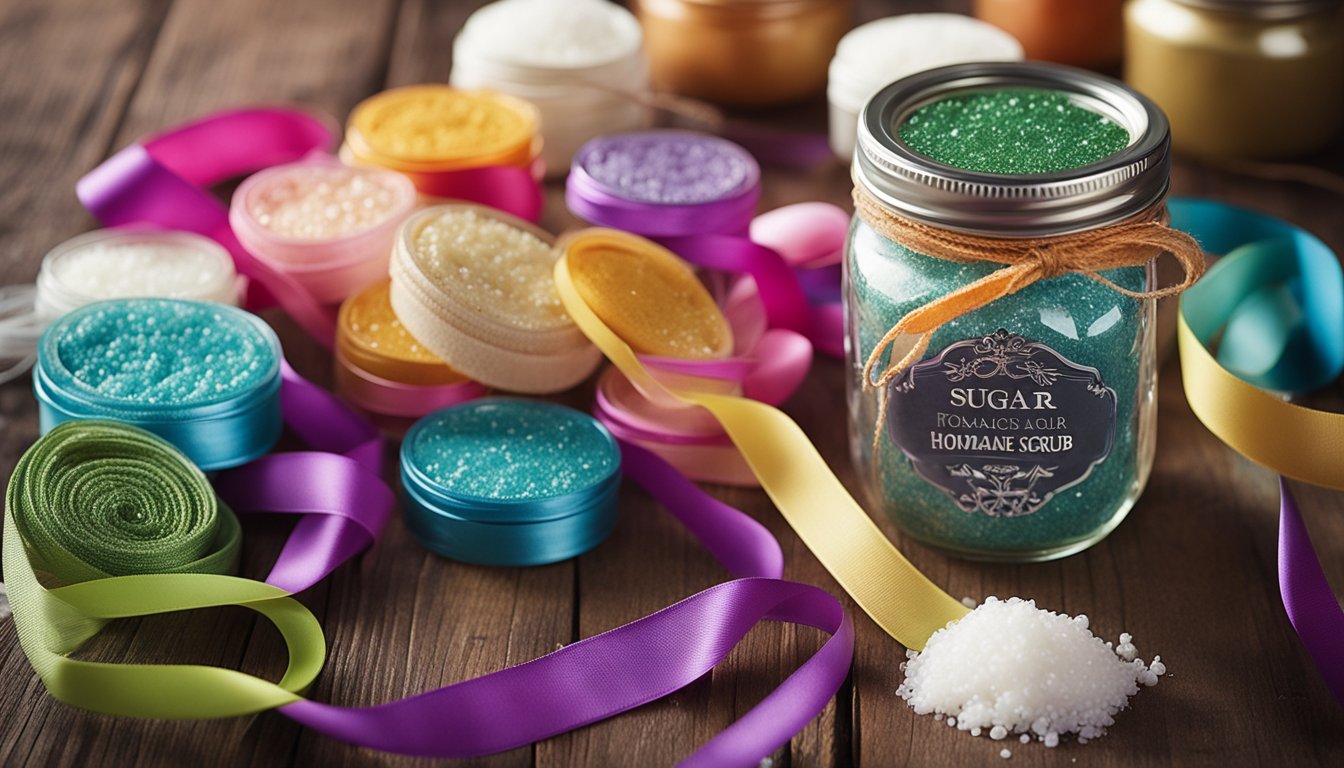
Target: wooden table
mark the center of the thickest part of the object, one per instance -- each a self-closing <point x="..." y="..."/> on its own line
<point x="1191" y="573"/>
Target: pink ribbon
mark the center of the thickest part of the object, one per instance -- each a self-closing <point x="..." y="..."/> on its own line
<point x="507" y="188"/>
<point x="393" y="398"/>
<point x="164" y="181"/>
<point x="690" y="439"/>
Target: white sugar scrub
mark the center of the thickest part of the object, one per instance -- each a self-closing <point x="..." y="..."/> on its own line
<point x="1010" y="669"/>
<point x="580" y="62"/>
<point x="114" y="264"/>
<point x="883" y="51"/>
<point x="320" y="202"/>
<point x="573" y="33"/>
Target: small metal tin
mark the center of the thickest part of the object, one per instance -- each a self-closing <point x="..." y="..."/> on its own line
<point x="920" y="188"/>
<point x="235" y="423"/>
<point x="664" y="183"/>
<point x="509" y="482"/>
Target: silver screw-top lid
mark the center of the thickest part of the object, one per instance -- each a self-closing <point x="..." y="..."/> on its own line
<point x="1105" y="192"/>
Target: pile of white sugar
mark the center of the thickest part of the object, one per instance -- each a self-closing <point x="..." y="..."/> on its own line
<point x="1010" y="668"/>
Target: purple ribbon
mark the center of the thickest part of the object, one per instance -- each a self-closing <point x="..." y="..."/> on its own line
<point x="721" y="235"/>
<point x="343" y="501"/>
<point x="1311" y="606"/>
<point x="345" y="506"/>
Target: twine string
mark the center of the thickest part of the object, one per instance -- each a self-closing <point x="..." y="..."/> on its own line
<point x="1025" y="261"/>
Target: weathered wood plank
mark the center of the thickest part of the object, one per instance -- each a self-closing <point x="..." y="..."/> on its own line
<point x="411" y="621"/>
<point x="1191" y="573"/>
<point x="205" y="56"/>
<point x="66" y="89"/>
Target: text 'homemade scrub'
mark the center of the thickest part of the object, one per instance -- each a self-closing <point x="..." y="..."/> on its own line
<point x="1000" y="305"/>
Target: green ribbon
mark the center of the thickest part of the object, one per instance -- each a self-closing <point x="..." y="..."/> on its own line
<point x="119" y="523"/>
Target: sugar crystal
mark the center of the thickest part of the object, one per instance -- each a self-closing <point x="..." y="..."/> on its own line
<point x="1011" y="667"/>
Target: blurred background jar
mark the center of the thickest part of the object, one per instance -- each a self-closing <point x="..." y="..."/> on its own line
<point x="884" y="51"/>
<point x="1083" y="33"/>
<point x="744" y="53"/>
<point x="579" y="62"/>
<point x="1245" y="79"/>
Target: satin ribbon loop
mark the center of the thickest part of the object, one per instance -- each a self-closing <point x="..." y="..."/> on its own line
<point x="1274" y="303"/>
<point x="161" y="182"/>
<point x="507" y="188"/>
<point x="835" y="528"/>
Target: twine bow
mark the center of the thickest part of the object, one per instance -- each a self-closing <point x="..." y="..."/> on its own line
<point x="1127" y="244"/>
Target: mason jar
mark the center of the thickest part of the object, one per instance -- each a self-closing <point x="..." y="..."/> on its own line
<point x="1025" y="430"/>
<point x="742" y="53"/>
<point x="1241" y="79"/>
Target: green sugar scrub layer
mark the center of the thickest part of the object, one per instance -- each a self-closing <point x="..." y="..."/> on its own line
<point x="1014" y="131"/>
<point x="1080" y="318"/>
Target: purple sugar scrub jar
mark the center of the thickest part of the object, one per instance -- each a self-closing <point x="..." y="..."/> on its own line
<point x="665" y="184"/>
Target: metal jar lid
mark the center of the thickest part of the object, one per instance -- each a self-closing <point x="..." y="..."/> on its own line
<point x="1266" y="10"/>
<point x="918" y="187"/>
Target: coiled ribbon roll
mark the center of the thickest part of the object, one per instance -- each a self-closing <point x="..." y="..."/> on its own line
<point x="110" y="264"/>
<point x="122" y="524"/>
<point x="204" y="376"/>
<point x="894" y="593"/>
<point x="1274" y="306"/>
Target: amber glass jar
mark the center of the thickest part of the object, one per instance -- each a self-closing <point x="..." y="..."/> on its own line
<point x="1250" y="79"/>
<point x="1084" y="33"/>
<point x="746" y="53"/>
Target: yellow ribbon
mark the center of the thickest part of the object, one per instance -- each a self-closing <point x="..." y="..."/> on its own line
<point x="900" y="599"/>
<point x="1297" y="442"/>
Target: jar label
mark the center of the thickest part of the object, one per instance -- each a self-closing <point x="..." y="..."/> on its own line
<point x="1001" y="423"/>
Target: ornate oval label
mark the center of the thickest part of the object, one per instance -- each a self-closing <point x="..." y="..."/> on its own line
<point x="1001" y="423"/>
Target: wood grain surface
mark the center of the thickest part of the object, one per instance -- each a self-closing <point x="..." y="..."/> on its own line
<point x="1191" y="573"/>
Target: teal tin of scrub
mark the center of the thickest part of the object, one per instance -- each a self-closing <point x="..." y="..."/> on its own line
<point x="1025" y="430"/>
<point x="510" y="482"/>
<point x="203" y="376"/>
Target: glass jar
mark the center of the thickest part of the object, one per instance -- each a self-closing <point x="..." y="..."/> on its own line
<point x="746" y="53"/>
<point x="874" y="54"/>
<point x="1084" y="33"/>
<point x="580" y="63"/>
<point x="1026" y="432"/>
<point x="1248" y="79"/>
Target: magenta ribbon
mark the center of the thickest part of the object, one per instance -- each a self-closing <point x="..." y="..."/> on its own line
<point x="163" y="181"/>
<point x="507" y="188"/>
<point x="1311" y="605"/>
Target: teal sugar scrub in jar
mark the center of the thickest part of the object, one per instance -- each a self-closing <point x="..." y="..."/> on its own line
<point x="1000" y="304"/>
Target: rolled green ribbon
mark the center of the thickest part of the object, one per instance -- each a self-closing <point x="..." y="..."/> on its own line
<point x="107" y="501"/>
<point x="104" y="520"/>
